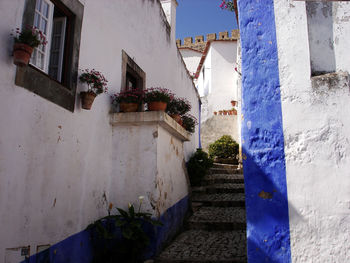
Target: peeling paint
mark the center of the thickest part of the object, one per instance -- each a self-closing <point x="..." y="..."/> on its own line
<point x="265" y="195"/>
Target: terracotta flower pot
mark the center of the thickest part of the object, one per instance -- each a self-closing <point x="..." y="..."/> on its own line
<point x="128" y="107"/>
<point x="233" y="103"/>
<point x="177" y="118"/>
<point x="220" y="112"/>
<point x="215" y="113"/>
<point x="87" y="98"/>
<point x="234" y="112"/>
<point x="157" y="106"/>
<point x="225" y="112"/>
<point x="21" y="54"/>
<point x="230" y="112"/>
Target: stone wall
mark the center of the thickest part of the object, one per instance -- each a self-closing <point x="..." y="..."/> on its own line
<point x="217" y="126"/>
<point x="199" y="42"/>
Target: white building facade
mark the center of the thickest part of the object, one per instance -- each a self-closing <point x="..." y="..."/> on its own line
<point x="60" y="165"/>
<point x="216" y="75"/>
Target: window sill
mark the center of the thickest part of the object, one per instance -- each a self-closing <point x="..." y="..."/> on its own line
<point x="149" y="118"/>
<point x="331" y="81"/>
<point x="43" y="85"/>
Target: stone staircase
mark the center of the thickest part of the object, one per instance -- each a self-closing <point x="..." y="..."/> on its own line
<point x="216" y="232"/>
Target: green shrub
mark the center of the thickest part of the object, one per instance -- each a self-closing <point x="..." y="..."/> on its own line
<point x="225" y="147"/>
<point x="198" y="166"/>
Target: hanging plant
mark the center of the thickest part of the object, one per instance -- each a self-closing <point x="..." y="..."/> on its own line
<point x="96" y="83"/>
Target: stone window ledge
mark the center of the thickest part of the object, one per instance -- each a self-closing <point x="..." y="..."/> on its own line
<point x="149" y="118"/>
<point x="330" y="81"/>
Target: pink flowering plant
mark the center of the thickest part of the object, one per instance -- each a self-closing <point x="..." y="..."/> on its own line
<point x="189" y="122"/>
<point x="178" y="106"/>
<point x="30" y="36"/>
<point x="128" y="96"/>
<point x="228" y="5"/>
<point x="158" y="94"/>
<point x="95" y="80"/>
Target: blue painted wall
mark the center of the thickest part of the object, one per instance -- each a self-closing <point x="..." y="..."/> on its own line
<point x="262" y="136"/>
<point x="78" y="249"/>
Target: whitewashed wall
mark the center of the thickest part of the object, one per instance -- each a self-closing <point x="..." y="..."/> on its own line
<point x="56" y="167"/>
<point x="317" y="135"/>
<point x="191" y="59"/>
<point x="218" y="86"/>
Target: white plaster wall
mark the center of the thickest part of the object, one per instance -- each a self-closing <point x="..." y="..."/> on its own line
<point x="191" y="59"/>
<point x="204" y="79"/>
<point x="317" y="134"/>
<point x="57" y="169"/>
<point x="159" y="174"/>
<point x="173" y="185"/>
<point x="219" y="85"/>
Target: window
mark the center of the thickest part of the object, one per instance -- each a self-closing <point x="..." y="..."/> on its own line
<point x="133" y="77"/>
<point x="53" y="68"/>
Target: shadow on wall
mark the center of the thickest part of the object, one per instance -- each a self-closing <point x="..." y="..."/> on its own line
<point x="268" y="233"/>
<point x="320" y="31"/>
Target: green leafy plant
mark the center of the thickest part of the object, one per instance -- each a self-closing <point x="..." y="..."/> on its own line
<point x="198" y="166"/>
<point x="225" y="147"/>
<point x="95" y="80"/>
<point x="189" y="122"/>
<point x="121" y="237"/>
<point x="178" y="106"/>
<point x="30" y="36"/>
<point x="158" y="94"/>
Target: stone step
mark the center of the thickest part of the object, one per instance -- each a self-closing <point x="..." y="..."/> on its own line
<point x="225" y="171"/>
<point x="206" y="246"/>
<point x="218" y="218"/>
<point x="218" y="200"/>
<point x="219" y="188"/>
<point x="225" y="166"/>
<point x="223" y="178"/>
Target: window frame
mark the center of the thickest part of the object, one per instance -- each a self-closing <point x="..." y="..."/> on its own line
<point x="61" y="93"/>
<point x="130" y="67"/>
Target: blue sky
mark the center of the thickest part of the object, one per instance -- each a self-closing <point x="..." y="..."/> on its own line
<point x="201" y="17"/>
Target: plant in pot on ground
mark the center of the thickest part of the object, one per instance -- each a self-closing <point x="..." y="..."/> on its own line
<point x="121" y="237"/>
<point x="198" y="166"/>
<point x="189" y="122"/>
<point x="25" y="42"/>
<point x="157" y="99"/>
<point x="178" y="107"/>
<point x="224" y="148"/>
<point x="96" y="83"/>
<point x="128" y="100"/>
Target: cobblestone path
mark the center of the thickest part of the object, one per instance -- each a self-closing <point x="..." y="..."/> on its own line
<point x="216" y="230"/>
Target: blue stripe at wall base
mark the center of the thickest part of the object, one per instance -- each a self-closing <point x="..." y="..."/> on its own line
<point x="268" y="234"/>
<point x="78" y="248"/>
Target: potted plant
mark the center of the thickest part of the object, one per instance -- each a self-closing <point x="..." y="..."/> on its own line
<point x="178" y="107"/>
<point x="189" y="122"/>
<point x="225" y="112"/>
<point x="157" y="99"/>
<point x="122" y="237"/>
<point x="220" y="112"/>
<point x="128" y="100"/>
<point x="215" y="113"/>
<point x="96" y="83"/>
<point x="25" y="42"/>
